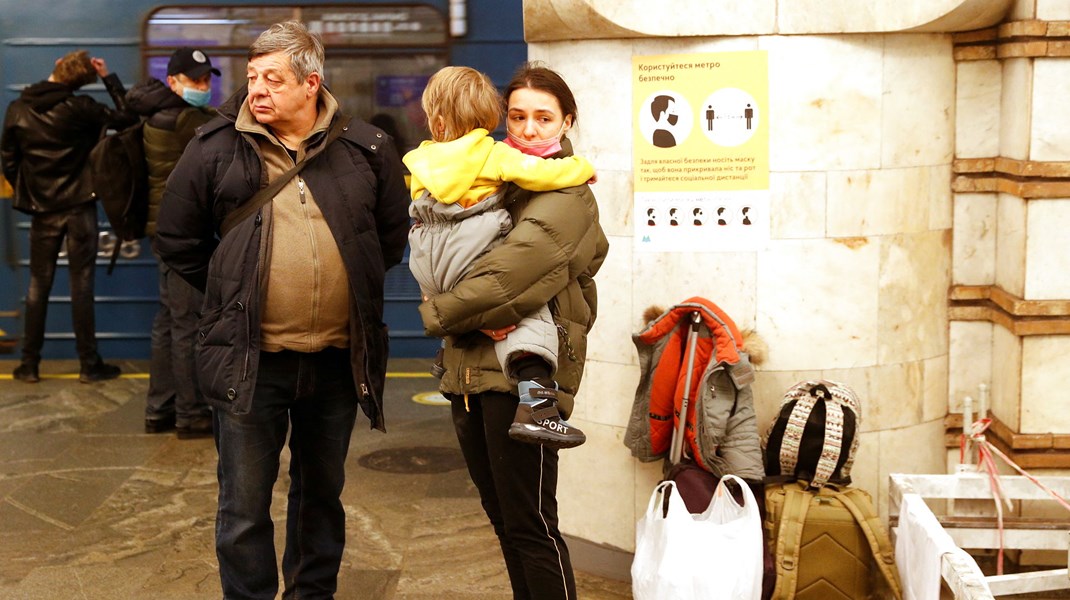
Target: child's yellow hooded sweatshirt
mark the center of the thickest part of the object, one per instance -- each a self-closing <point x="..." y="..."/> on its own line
<point x="472" y="167"/>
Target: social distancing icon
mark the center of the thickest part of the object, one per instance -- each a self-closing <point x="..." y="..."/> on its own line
<point x="731" y="117"/>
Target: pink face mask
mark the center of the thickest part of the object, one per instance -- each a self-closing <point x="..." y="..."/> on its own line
<point x="540" y="148"/>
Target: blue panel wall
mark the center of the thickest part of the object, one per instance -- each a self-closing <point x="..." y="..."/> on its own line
<point x="31" y="38"/>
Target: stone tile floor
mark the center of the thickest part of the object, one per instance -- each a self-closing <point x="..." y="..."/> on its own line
<point x="92" y="507"/>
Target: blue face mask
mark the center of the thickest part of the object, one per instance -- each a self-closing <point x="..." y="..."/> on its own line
<point x="196" y="97"/>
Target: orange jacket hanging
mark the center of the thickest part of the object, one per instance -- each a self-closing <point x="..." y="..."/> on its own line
<point x="720" y="409"/>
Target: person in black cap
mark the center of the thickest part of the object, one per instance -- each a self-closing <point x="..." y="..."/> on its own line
<point x="48" y="133"/>
<point x="174" y="112"/>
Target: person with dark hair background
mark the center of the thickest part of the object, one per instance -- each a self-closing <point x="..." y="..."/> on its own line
<point x="48" y="133"/>
<point x="174" y="110"/>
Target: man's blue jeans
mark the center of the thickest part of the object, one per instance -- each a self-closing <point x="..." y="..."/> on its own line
<point x="314" y="396"/>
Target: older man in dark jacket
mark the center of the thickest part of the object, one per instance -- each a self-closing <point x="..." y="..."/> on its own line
<point x="291" y="336"/>
<point x="48" y="133"/>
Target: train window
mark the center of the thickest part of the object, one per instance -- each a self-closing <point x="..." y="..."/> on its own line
<point x="378" y="56"/>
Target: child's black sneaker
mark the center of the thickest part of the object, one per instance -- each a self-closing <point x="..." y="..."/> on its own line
<point x="537" y="420"/>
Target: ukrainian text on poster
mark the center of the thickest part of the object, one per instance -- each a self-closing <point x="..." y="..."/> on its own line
<point x="701" y="151"/>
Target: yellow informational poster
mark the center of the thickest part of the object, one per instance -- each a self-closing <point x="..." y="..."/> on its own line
<point x="701" y="151"/>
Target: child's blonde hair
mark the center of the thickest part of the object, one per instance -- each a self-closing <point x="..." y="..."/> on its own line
<point x="458" y="100"/>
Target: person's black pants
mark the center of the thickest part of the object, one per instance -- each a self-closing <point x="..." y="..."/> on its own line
<point x="517" y="485"/>
<point x="79" y="226"/>
<point x="173" y="389"/>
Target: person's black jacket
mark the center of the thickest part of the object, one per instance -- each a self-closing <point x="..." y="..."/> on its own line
<point x="48" y="133"/>
<point x="358" y="185"/>
<point x="170" y="125"/>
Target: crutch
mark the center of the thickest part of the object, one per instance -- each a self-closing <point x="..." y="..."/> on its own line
<point x="678" y="434"/>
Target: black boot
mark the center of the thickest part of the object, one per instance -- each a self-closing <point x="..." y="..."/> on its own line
<point x="26" y="372"/>
<point x="98" y="371"/>
<point x="537" y="420"/>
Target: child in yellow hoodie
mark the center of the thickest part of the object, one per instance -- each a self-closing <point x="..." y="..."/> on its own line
<point x="456" y="186"/>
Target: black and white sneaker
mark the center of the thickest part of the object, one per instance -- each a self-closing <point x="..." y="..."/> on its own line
<point x="538" y="421"/>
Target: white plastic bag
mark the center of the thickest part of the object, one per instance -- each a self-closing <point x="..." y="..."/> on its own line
<point x="716" y="555"/>
<point x="730" y="546"/>
<point x="658" y="573"/>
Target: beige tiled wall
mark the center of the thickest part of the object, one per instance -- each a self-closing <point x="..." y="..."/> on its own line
<point x="970" y="361"/>
<point x="1045" y="365"/>
<point x="1006" y="377"/>
<point x="1018" y="244"/>
<point x="915" y="271"/>
<point x="1050" y="120"/>
<point x="1016" y="99"/>
<point x="1010" y="244"/>
<point x="974" y="244"/>
<point x="1053" y="10"/>
<point x="1047" y="249"/>
<point x="977" y="97"/>
<point x="853" y="283"/>
<point x="797" y="204"/>
<point x="821" y="117"/>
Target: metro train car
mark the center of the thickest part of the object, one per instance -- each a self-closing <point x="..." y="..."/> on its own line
<point x="379" y="56"/>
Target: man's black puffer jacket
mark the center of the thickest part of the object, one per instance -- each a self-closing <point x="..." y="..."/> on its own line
<point x="358" y="185"/>
<point x="48" y="133"/>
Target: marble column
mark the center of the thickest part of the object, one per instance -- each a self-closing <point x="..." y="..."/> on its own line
<point x="1010" y="299"/>
<point x="853" y="285"/>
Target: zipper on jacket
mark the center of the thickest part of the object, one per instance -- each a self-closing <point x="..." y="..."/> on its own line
<point x="306" y="213"/>
<point x="245" y="364"/>
<point x="366" y="364"/>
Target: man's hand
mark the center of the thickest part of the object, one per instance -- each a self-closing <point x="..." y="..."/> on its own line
<point x="100" y="66"/>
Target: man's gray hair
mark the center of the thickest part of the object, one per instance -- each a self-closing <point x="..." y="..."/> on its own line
<point x="292" y="37"/>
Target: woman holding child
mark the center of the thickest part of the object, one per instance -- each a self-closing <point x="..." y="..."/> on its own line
<point x="547" y="259"/>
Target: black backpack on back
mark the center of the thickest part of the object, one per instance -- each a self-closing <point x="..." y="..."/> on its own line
<point x="120" y="181"/>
